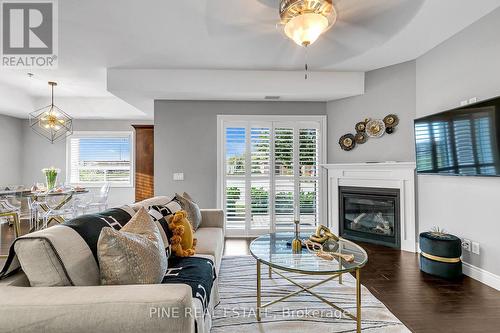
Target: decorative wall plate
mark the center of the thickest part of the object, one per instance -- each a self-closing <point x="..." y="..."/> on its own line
<point x="361" y="127"/>
<point x="369" y="128"/>
<point x="347" y="142"/>
<point x="375" y="128"/>
<point x="360" y="138"/>
<point x="391" y="120"/>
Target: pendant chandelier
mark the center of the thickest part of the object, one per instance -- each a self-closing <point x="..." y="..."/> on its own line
<point x="50" y="121"/>
<point x="306" y="20"/>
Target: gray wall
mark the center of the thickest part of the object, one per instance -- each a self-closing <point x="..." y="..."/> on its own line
<point x="40" y="153"/>
<point x="186" y="141"/>
<point x="11" y="146"/>
<point x="388" y="90"/>
<point x="467" y="65"/>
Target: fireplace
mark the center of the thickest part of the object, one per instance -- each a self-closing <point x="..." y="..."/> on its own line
<point x="370" y="215"/>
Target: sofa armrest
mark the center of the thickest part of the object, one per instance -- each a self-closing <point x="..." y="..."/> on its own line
<point x="120" y="309"/>
<point x="213" y="218"/>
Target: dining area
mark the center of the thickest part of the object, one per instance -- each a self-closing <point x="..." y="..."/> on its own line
<point x="26" y="209"/>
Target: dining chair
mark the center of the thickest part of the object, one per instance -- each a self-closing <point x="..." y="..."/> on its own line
<point x="9" y="211"/>
<point x="96" y="203"/>
<point x="54" y="212"/>
<point x="34" y="210"/>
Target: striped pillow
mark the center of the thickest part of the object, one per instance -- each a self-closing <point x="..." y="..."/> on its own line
<point x="161" y="215"/>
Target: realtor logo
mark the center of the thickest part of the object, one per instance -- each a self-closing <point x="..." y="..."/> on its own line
<point x="29" y="33"/>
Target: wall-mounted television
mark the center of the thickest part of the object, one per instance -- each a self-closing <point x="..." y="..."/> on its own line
<point x="460" y="142"/>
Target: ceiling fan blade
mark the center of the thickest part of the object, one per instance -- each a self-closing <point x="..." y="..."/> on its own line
<point x="270" y="3"/>
<point x="363" y="25"/>
<point x="384" y="17"/>
<point x="236" y="17"/>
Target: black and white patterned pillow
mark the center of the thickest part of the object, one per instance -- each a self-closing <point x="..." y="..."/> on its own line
<point x="161" y="214"/>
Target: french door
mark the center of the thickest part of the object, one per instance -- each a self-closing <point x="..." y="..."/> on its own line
<point x="269" y="172"/>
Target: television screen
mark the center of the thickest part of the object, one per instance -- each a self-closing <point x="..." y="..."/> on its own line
<point x="460" y="142"/>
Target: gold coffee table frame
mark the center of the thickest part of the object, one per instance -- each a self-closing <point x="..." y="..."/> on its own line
<point x="343" y="267"/>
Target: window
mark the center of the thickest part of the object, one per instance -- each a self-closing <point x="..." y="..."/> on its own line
<point x="269" y="172"/>
<point x="94" y="158"/>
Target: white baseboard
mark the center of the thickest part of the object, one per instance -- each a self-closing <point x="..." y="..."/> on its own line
<point x="481" y="275"/>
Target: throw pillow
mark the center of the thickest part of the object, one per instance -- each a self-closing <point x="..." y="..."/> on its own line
<point x="191" y="208"/>
<point x="161" y="215"/>
<point x="133" y="255"/>
<point x="182" y="242"/>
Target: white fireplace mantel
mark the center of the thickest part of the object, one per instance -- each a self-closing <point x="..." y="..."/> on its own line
<point x="399" y="175"/>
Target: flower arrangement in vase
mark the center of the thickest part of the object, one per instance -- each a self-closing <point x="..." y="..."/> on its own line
<point x="51" y="177"/>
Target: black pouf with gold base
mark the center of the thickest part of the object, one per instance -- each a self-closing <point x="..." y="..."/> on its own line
<point x="440" y="255"/>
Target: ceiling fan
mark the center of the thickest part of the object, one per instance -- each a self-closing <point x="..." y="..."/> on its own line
<point x="345" y="27"/>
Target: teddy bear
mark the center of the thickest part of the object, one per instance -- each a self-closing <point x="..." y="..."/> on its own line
<point x="182" y="242"/>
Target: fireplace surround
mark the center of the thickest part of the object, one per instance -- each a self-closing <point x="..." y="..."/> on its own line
<point x="386" y="175"/>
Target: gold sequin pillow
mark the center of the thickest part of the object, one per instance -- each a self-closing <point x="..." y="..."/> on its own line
<point x="133" y="255"/>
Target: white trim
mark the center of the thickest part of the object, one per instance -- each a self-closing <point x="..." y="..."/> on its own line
<point x="400" y="175"/>
<point x="268" y="118"/>
<point x="322" y="173"/>
<point x="315" y="120"/>
<point x="481" y="275"/>
<point x="102" y="134"/>
<point x="220" y="167"/>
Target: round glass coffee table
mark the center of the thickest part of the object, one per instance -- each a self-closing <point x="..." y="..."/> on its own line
<point x="272" y="250"/>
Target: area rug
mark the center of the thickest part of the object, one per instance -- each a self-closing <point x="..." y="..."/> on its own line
<point x="299" y="313"/>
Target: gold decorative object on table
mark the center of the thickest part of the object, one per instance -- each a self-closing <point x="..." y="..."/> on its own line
<point x="296" y="242"/>
<point x="320" y="252"/>
<point x="325" y="244"/>
<point x="322" y="234"/>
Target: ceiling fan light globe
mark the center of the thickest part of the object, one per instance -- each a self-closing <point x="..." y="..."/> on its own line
<point x="306" y="28"/>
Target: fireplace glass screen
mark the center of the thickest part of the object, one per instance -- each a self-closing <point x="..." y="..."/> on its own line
<point x="370" y="214"/>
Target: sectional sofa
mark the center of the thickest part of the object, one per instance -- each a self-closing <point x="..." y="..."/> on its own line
<point x="82" y="305"/>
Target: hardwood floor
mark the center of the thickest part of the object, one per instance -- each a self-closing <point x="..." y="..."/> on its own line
<point x="7" y="235"/>
<point x="422" y="302"/>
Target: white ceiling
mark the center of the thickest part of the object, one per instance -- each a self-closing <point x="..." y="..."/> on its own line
<point x="225" y="35"/>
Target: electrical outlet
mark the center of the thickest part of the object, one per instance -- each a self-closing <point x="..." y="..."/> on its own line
<point x="466" y="245"/>
<point x="475" y="247"/>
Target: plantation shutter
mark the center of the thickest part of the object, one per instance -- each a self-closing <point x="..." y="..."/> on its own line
<point x="235" y="187"/>
<point x="271" y="175"/>
<point x="309" y="176"/>
<point x="94" y="160"/>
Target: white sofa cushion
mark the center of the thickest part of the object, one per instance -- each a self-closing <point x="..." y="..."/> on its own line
<point x="57" y="256"/>
<point x="210" y="241"/>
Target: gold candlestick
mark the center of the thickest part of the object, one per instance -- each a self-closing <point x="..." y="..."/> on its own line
<point x="297" y="243"/>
